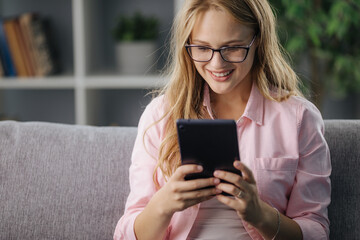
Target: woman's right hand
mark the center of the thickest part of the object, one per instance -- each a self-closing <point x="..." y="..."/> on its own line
<point x="178" y="194"/>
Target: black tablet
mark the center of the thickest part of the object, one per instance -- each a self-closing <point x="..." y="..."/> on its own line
<point x="210" y="143"/>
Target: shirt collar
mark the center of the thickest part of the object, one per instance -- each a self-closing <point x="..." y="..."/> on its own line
<point x="254" y="108"/>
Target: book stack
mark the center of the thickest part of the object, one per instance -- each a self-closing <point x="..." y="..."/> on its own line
<point x="25" y="47"/>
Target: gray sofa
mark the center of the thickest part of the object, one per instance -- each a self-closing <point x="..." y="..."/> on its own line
<point x="62" y="181"/>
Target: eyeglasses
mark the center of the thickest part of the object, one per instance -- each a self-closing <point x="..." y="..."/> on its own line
<point x="235" y="54"/>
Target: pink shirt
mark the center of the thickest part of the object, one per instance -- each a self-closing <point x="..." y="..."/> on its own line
<point x="281" y="142"/>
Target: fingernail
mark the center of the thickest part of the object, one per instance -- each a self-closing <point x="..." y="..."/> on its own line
<point x="237" y="163"/>
<point x="218" y="191"/>
<point x="216" y="181"/>
<point x="216" y="173"/>
<point x="200" y="168"/>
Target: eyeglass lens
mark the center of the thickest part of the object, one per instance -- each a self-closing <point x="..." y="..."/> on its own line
<point x="231" y="54"/>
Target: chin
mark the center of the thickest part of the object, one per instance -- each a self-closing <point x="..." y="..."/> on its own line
<point x="224" y="89"/>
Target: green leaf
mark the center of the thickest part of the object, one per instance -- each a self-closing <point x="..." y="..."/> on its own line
<point x="314" y="32"/>
<point x="295" y="45"/>
<point x="136" y="27"/>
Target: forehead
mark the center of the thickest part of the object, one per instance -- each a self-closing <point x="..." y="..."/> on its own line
<point x="217" y="26"/>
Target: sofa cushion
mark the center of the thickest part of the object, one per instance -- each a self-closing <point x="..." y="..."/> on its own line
<point x="62" y="181"/>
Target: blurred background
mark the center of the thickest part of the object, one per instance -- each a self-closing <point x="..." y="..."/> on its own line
<point x="70" y="61"/>
<point x="323" y="40"/>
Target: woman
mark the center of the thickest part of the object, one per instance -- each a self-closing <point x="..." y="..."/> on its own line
<point x="227" y="64"/>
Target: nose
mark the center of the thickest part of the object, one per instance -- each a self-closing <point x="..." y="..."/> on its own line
<point x="217" y="61"/>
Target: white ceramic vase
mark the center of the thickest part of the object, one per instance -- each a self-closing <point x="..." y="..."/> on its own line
<point x="136" y="58"/>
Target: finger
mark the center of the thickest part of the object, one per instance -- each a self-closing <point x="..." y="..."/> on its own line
<point x="230" y="177"/>
<point x="183" y="170"/>
<point x="234" y="180"/>
<point x="199" y="200"/>
<point x="191" y="185"/>
<point x="188" y="199"/>
<point x="247" y="173"/>
<point x="231" y="189"/>
<point x="231" y="202"/>
<point x="201" y="194"/>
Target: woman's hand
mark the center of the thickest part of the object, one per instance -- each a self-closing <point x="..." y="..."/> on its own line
<point x="246" y="202"/>
<point x="268" y="221"/>
<point x="178" y="194"/>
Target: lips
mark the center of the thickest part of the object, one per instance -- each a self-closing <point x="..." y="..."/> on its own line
<point x="221" y="76"/>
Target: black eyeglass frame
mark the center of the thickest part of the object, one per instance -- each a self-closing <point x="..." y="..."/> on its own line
<point x="247" y="48"/>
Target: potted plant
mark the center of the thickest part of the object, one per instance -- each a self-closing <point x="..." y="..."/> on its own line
<point x="322" y="37"/>
<point x="135" y="38"/>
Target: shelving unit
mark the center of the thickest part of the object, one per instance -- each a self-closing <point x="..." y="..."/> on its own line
<point x="82" y="93"/>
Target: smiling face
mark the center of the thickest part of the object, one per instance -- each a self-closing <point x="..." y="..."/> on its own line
<point x="215" y="28"/>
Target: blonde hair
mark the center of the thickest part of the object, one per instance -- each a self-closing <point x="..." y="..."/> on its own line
<point x="184" y="91"/>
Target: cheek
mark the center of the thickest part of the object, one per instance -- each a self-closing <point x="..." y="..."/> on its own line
<point x="200" y="67"/>
<point x="250" y="58"/>
<point x="245" y="67"/>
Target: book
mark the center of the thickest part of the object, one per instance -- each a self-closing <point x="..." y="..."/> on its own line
<point x="1" y="69"/>
<point x="23" y="47"/>
<point x="43" y="49"/>
<point x="5" y="55"/>
<point x="25" y="44"/>
<point x="12" y="35"/>
<point x="29" y="45"/>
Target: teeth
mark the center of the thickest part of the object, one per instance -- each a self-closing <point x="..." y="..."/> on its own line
<point x="221" y="74"/>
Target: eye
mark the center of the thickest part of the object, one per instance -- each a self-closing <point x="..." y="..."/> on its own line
<point x="203" y="49"/>
<point x="232" y="49"/>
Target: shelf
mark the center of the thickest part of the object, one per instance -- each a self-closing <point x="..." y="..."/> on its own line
<point x="124" y="82"/>
<point x="55" y="82"/>
<point x="89" y="90"/>
<point x="93" y="82"/>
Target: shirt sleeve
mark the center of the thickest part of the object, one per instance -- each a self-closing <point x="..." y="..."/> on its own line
<point x="143" y="163"/>
<point x="310" y="195"/>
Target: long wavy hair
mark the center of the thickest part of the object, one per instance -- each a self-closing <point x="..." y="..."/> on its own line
<point x="184" y="91"/>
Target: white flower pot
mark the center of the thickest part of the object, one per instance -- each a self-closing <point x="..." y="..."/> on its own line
<point x="136" y="57"/>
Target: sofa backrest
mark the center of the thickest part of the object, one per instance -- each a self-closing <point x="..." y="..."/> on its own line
<point x="62" y="181"/>
<point x="343" y="138"/>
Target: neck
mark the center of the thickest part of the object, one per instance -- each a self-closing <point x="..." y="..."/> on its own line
<point x="231" y="105"/>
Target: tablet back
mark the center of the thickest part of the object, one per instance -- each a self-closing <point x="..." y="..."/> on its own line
<point x="210" y="143"/>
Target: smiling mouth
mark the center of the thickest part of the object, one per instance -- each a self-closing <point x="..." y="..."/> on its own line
<point x="222" y="74"/>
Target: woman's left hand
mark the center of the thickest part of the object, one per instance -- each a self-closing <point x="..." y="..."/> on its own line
<point x="247" y="203"/>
